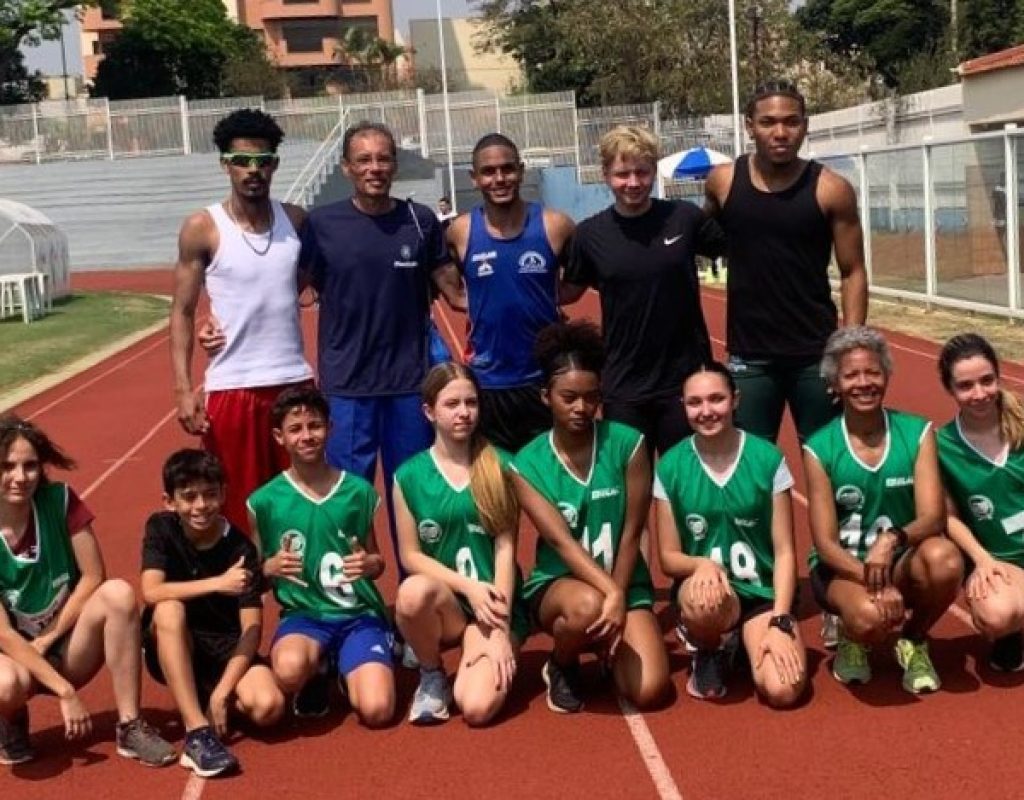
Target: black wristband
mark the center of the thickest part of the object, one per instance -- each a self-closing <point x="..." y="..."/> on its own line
<point x="902" y="539"/>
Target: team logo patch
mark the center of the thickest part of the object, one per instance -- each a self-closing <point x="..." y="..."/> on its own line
<point x="981" y="506"/>
<point x="849" y="498"/>
<point x="697" y="526"/>
<point x="11" y="598"/>
<point x="430" y="531"/>
<point x="406" y="252"/>
<point x="569" y="514"/>
<point x="532" y="262"/>
<point x="477" y="529"/>
<point x="484" y="270"/>
<point x="293" y="542"/>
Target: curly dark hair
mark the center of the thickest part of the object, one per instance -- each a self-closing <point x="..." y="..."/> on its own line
<point x="247" y="123"/>
<point x="569" y="345"/>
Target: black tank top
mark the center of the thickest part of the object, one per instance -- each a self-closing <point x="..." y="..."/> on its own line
<point x="779" y="247"/>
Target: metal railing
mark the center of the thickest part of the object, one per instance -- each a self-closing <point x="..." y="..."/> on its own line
<point x="314" y="173"/>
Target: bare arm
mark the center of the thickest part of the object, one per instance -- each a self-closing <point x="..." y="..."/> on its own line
<point x="92" y="572"/>
<point x="638" y="503"/>
<point x="840" y="203"/>
<point x="251" y="620"/>
<point x="552" y="527"/>
<point x="674" y="562"/>
<point x="963" y="537"/>
<point x="784" y="549"/>
<point x="716" y="189"/>
<point x="929" y="498"/>
<point x="193" y="256"/>
<point x="560" y="229"/>
<point x="449" y="283"/>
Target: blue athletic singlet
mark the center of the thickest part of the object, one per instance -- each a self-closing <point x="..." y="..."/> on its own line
<point x="513" y="292"/>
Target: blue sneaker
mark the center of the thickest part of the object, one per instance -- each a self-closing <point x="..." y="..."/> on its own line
<point x="205" y="755"/>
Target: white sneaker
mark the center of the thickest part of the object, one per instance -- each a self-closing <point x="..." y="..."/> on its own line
<point x="829" y="631"/>
<point x="409" y="660"/>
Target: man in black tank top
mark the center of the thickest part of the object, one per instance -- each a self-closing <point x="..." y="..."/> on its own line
<point x="783" y="217"/>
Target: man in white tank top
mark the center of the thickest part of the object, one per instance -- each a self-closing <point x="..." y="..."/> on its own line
<point x="245" y="251"/>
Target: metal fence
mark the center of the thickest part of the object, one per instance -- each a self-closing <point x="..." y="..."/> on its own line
<point x="942" y="219"/>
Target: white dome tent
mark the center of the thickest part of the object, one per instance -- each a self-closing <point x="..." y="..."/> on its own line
<point x="34" y="262"/>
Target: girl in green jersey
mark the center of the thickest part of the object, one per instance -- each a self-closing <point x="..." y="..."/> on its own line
<point x="585" y="484"/>
<point x="981" y="453"/>
<point x="725" y="532"/>
<point x="876" y="512"/>
<point x="458" y="518"/>
<point x="61" y="619"/>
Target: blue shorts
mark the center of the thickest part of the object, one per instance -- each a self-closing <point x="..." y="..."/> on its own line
<point x="347" y="643"/>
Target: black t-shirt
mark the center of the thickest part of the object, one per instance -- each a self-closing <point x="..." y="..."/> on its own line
<point x="644" y="269"/>
<point x="167" y="548"/>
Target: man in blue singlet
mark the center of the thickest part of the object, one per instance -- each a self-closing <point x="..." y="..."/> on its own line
<point x="511" y="254"/>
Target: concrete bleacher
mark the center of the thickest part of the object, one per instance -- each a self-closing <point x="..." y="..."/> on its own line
<point x="126" y="213"/>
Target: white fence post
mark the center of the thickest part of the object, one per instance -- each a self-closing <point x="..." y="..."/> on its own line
<point x="865" y="208"/>
<point x="421" y="114"/>
<point x="1012" y="216"/>
<point x="656" y="128"/>
<point x="110" y="128"/>
<point x="929" y="220"/>
<point x="576" y="137"/>
<point x="35" y="133"/>
<point x="497" y="113"/>
<point x="186" y="134"/>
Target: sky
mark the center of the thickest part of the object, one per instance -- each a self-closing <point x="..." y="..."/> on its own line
<point x="46" y="57"/>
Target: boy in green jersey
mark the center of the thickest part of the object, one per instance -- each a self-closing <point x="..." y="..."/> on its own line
<point x="877" y="512"/>
<point x="725" y="533"/>
<point x="457" y="522"/>
<point x="314" y="527"/>
<point x="585" y="484"/>
<point x="981" y="454"/>
<point x="61" y="619"/>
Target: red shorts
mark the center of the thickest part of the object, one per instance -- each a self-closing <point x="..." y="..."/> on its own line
<point x="240" y="436"/>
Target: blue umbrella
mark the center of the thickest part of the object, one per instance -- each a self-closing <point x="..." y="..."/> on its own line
<point x="692" y="164"/>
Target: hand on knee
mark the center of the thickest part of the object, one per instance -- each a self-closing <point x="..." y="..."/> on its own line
<point x="265" y="709"/>
<point x="780" y="695"/>
<point x="583" y="611"/>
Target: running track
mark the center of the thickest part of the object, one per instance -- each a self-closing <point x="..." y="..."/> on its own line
<point x="117" y="420"/>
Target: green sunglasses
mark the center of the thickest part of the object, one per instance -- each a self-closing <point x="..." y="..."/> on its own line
<point x="250" y="160"/>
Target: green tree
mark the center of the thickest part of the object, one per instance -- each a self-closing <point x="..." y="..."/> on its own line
<point x="29" y="22"/>
<point x="169" y="47"/>
<point x="986" y="26"/>
<point x="376" y="57"/>
<point x="17" y="84"/>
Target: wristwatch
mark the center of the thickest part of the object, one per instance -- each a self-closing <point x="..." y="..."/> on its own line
<point x="785" y="623"/>
<point x="902" y="540"/>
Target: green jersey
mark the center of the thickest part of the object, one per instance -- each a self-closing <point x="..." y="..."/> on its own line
<point x="989" y="496"/>
<point x="727" y="518"/>
<point x="449" y="529"/>
<point x="34" y="590"/>
<point x="320" y="532"/>
<point x="594" y="509"/>
<point x="870" y="499"/>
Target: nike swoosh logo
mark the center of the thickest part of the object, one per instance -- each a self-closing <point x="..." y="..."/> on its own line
<point x="673" y="240"/>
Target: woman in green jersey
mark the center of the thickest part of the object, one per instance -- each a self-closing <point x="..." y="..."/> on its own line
<point x="981" y="454"/>
<point x="61" y="619"/>
<point x="585" y="484"/>
<point x="725" y="532"/>
<point x="458" y="518"/>
<point x="877" y="513"/>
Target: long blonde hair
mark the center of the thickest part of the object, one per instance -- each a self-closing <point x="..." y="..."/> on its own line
<point x="490" y="486"/>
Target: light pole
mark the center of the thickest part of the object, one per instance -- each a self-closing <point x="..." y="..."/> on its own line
<point x="447" y="111"/>
<point x="737" y="136"/>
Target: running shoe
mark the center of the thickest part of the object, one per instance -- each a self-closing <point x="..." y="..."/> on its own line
<point x="830" y="631"/>
<point x="707" y="676"/>
<point x="681" y="635"/>
<point x="432" y="698"/>
<point x="851" y="663"/>
<point x="918" y="672"/>
<point x="136" y="739"/>
<point x="313" y="700"/>
<point x="1007" y="653"/>
<point x="409" y="660"/>
<point x="15" y="747"/>
<point x="205" y="754"/>
<point x="563" y="687"/>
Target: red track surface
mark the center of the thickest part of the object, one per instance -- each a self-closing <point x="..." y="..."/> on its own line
<point x="117" y="420"/>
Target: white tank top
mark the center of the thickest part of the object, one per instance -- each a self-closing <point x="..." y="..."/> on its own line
<point x="254" y="297"/>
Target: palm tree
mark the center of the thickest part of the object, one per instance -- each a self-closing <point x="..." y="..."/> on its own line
<point x="361" y="48"/>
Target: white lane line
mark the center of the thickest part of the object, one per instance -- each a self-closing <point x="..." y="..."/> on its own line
<point x="79" y="389"/>
<point x="129" y="454"/>
<point x="664" y="783"/>
<point x="194" y="788"/>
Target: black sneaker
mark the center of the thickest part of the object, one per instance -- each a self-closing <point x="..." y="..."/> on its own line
<point x="15" y="747"/>
<point x="1007" y="653"/>
<point x="136" y="739"/>
<point x="707" y="678"/>
<point x="205" y="754"/>
<point x="314" y="698"/>
<point x="563" y="687"/>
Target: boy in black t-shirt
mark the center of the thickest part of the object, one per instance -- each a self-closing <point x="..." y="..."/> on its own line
<point x="204" y="612"/>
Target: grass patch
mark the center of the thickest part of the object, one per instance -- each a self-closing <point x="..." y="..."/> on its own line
<point x="78" y="325"/>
